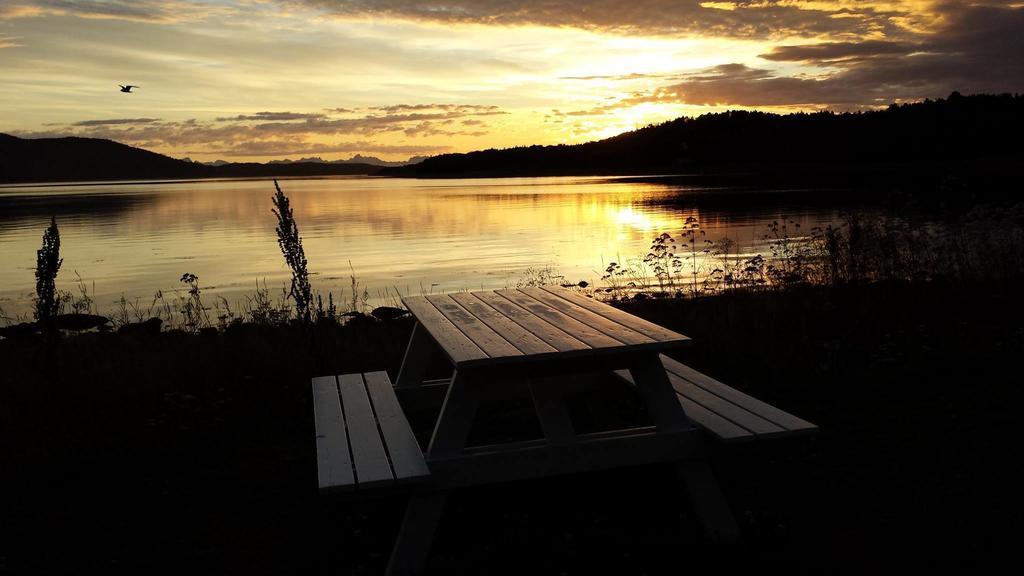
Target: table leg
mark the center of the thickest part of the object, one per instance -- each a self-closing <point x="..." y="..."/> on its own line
<point x="417" y="531"/>
<point x="658" y="395"/>
<point x="417" y="356"/>
<point x="708" y="501"/>
<point x="424" y="510"/>
<point x="456" y="418"/>
<point x="551" y="411"/>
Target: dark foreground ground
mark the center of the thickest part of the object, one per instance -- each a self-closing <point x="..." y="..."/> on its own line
<point x="195" y="454"/>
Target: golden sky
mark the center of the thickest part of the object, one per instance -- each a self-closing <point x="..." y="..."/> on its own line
<point x="267" y="79"/>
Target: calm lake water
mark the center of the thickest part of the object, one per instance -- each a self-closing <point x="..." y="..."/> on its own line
<point x="398" y="235"/>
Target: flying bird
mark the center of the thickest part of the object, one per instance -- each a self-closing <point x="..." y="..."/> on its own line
<point x="127" y="88"/>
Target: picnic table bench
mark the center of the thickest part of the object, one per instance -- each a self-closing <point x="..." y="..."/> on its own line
<point x="542" y="336"/>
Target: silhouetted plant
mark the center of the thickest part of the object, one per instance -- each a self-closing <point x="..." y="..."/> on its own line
<point x="191" y="306"/>
<point x="328" y="314"/>
<point x="82" y="303"/>
<point x="291" y="247"/>
<point x="612" y="275"/>
<point x="260" y="308"/>
<point x="667" y="261"/>
<point x="127" y="312"/>
<point x="691" y="232"/>
<point x="359" y="298"/>
<point x="663" y="260"/>
<point x="791" y="256"/>
<point x="225" y="315"/>
<point x="541" y="276"/>
<point x="48" y="263"/>
<point x="626" y="278"/>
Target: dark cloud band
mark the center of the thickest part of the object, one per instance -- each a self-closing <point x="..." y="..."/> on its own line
<point x="739" y="18"/>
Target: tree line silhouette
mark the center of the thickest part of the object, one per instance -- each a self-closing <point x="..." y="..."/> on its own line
<point x="955" y="129"/>
<point x="84" y="159"/>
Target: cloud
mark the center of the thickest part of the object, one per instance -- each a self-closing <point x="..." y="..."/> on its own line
<point x="741" y="85"/>
<point x="417" y="120"/>
<point x="837" y="52"/>
<point x="8" y="41"/>
<point x="979" y="48"/>
<point x="284" y="147"/>
<point x="456" y="108"/>
<point x="289" y="133"/>
<point x="275" y="116"/>
<point x="616" y="77"/>
<point x="741" y="18"/>
<point x="116" y="121"/>
<point x="159" y="11"/>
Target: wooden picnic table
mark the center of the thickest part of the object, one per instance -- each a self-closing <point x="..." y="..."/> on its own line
<point x="542" y="335"/>
<point x="549" y="339"/>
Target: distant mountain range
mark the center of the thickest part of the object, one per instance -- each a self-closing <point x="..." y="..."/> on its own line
<point x="91" y="159"/>
<point x="937" y="132"/>
<point x="357" y="159"/>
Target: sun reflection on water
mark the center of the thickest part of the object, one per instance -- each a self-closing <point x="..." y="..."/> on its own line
<point x="397" y="234"/>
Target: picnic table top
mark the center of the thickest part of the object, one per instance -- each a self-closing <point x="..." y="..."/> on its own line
<point x="497" y="327"/>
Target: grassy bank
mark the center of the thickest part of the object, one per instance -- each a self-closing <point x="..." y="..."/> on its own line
<point x="195" y="452"/>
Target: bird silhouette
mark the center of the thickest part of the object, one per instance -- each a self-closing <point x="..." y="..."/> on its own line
<point x="127" y="88"/>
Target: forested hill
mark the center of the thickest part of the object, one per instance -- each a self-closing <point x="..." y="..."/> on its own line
<point x="91" y="159"/>
<point x="954" y="129"/>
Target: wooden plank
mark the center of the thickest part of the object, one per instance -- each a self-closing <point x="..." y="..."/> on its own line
<point x="368" y="455"/>
<point x="333" y="461"/>
<point x="502" y="464"/>
<point x="480" y="333"/>
<point x="714" y="424"/>
<point x="639" y="324"/>
<point x="574" y="328"/>
<point x="402" y="447"/>
<point x="723" y="408"/>
<point x="554" y="337"/>
<point x="521" y="338"/>
<point x="749" y="403"/>
<point x="605" y="325"/>
<point x="455" y="344"/>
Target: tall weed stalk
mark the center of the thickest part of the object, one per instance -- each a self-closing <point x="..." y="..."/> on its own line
<point x="290" y="241"/>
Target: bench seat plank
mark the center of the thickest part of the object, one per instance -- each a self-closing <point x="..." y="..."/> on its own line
<point x="333" y="463"/>
<point x="779" y="417"/>
<point x="708" y="420"/>
<point x="717" y="426"/>
<point x="725" y="412"/>
<point x="368" y="455"/>
<point x="404" y="451"/>
<point x="736" y="414"/>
